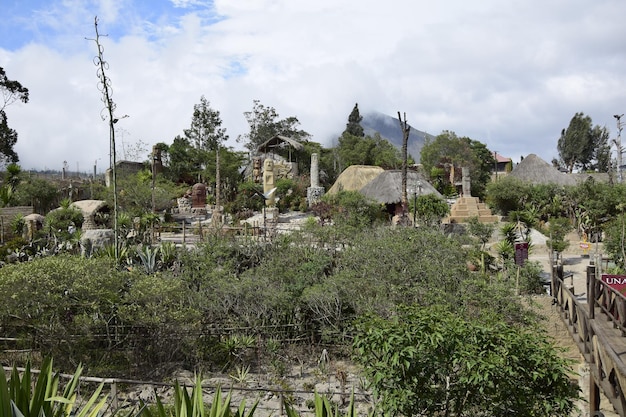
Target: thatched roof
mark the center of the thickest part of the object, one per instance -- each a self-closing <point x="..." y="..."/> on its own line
<point x="535" y="170"/>
<point x="278" y="141"/>
<point x="598" y="177"/>
<point x="386" y="188"/>
<point x="354" y="178"/>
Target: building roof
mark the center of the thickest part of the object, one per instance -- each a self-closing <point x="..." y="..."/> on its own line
<point x="386" y="188"/>
<point x="354" y="178"/>
<point x="278" y="141"/>
<point x="500" y="158"/>
<point x="535" y="170"/>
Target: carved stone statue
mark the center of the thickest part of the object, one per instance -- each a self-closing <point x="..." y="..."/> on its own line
<point x="198" y="196"/>
<point x="269" y="181"/>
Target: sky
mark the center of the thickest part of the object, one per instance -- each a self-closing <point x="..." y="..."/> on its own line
<point x="510" y="74"/>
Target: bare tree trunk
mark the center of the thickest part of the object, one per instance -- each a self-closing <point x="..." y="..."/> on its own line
<point x="218" y="182"/>
<point x="405" y="139"/>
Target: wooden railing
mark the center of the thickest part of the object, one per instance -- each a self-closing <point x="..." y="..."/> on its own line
<point x="600" y="337"/>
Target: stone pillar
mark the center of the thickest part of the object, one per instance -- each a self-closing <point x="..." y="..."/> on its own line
<point x="268" y="181"/>
<point x="466" y="182"/>
<point x="315" y="173"/>
<point x="314" y="193"/>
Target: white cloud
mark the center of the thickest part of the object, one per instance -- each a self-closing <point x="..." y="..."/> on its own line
<point x="509" y="74"/>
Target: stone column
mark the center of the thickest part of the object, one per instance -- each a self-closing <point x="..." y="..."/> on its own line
<point x="314" y="193"/>
<point x="466" y="183"/>
<point x="268" y="181"/>
<point x="315" y="173"/>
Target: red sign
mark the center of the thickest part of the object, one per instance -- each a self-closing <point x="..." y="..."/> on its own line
<point x="521" y="253"/>
<point x="617" y="282"/>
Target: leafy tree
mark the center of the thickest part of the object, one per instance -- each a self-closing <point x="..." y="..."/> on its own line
<point x="206" y="134"/>
<point x="353" y="127"/>
<point x="11" y="91"/>
<point x="352" y="210"/>
<point x="136" y="194"/>
<point x="356" y="150"/>
<point x="184" y="166"/>
<point x="431" y="361"/>
<point x="483" y="164"/>
<point x="449" y="149"/>
<point x="584" y="146"/>
<point x="615" y="240"/>
<point x="40" y="193"/>
<point x="557" y="230"/>
<point x="507" y="194"/>
<point x="429" y="208"/>
<point x="481" y="231"/>
<point x="264" y="124"/>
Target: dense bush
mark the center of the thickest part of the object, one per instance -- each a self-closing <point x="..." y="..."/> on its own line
<point x="432" y="361"/>
<point x="207" y="306"/>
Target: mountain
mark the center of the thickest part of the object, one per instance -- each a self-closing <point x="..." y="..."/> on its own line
<point x="389" y="128"/>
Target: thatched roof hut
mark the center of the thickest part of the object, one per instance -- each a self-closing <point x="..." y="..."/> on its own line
<point x="386" y="188"/>
<point x="535" y="170"/>
<point x="354" y="178"/>
<point x="279" y="141"/>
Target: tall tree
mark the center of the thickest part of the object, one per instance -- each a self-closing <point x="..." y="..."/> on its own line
<point x="206" y="134"/>
<point x="183" y="164"/>
<point x="11" y="91"/>
<point x="355" y="150"/>
<point x="353" y="127"/>
<point x="264" y="124"/>
<point x="584" y="146"/>
<point x="448" y="148"/>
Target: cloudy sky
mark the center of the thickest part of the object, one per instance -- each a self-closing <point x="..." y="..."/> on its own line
<point x="510" y="74"/>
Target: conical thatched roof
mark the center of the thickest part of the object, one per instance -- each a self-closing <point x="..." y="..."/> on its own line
<point x="535" y="170"/>
<point x="386" y="188"/>
<point x="354" y="178"/>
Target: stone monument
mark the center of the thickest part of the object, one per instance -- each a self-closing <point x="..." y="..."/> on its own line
<point x="198" y="198"/>
<point x="269" y="182"/>
<point x="314" y="193"/>
<point x="270" y="211"/>
<point x="466" y="190"/>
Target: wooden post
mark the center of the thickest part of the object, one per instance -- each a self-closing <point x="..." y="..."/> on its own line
<point x="591" y="290"/>
<point x="594" y="396"/>
<point x="114" y="403"/>
<point x="184" y="231"/>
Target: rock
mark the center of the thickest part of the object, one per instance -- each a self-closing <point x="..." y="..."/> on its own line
<point x="95" y="239"/>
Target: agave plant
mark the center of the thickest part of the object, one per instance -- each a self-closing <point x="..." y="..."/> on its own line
<point x="324" y="408"/>
<point x="186" y="405"/>
<point x="148" y="257"/>
<point x="20" y="398"/>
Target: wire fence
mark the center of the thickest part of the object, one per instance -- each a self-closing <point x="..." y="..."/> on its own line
<point x="120" y="399"/>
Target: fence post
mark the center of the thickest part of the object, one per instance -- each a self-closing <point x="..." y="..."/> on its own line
<point x="184" y="231"/>
<point x="591" y="289"/>
<point x="114" y="395"/>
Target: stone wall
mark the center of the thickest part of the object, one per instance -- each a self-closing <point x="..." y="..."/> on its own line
<point x="7" y="215"/>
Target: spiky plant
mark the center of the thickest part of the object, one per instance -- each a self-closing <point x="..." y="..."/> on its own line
<point x="20" y="398"/>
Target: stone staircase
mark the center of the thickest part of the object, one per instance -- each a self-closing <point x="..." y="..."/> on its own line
<point x="466" y="207"/>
